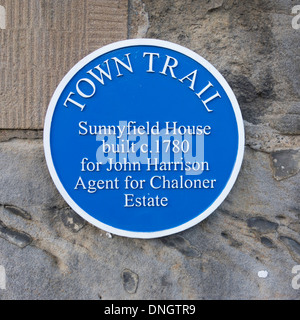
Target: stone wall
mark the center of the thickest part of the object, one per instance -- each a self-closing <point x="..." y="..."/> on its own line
<point x="49" y="252"/>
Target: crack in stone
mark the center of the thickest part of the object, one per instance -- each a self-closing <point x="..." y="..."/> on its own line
<point x="262" y="225"/>
<point x="18" y="211"/>
<point x="182" y="245"/>
<point x="293" y="247"/>
<point x="18" y="238"/>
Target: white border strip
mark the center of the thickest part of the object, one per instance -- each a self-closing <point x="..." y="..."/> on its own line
<point x="130" y="43"/>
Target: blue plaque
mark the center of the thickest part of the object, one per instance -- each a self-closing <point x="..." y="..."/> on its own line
<point x="144" y="138"/>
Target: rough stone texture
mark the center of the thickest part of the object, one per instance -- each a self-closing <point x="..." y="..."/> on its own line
<point x="42" y="40"/>
<point x="54" y="254"/>
<point x="130" y="281"/>
<point x="286" y="163"/>
<point x="20" y="239"/>
<point x="6" y="135"/>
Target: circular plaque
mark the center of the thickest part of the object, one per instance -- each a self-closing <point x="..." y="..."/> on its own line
<point x="144" y="138"/>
